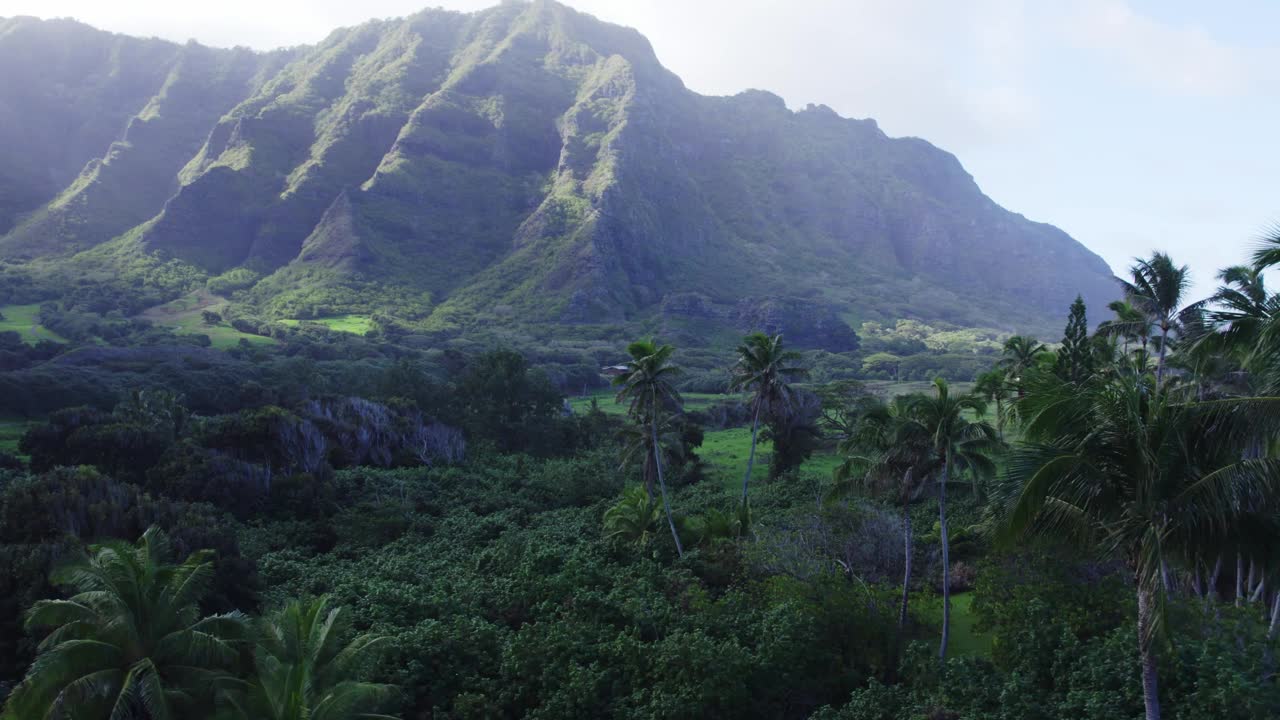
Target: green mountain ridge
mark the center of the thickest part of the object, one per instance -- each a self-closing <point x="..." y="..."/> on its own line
<point x="523" y="166"/>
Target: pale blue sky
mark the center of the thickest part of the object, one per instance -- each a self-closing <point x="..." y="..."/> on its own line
<point x="1131" y="124"/>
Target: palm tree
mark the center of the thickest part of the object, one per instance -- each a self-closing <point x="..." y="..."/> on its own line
<point x="1129" y="324"/>
<point x="762" y="368"/>
<point x="1267" y="257"/>
<point x="992" y="386"/>
<point x="887" y="450"/>
<point x="304" y="672"/>
<point x="1158" y="290"/>
<point x="717" y="524"/>
<point x="1241" y="313"/>
<point x="955" y="441"/>
<point x="637" y="446"/>
<point x="634" y="518"/>
<point x="1268" y="253"/>
<point x="1020" y="355"/>
<point x="647" y="386"/>
<point x="1143" y="476"/>
<point x="131" y="641"/>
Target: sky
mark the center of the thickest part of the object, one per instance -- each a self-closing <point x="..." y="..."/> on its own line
<point x="1134" y="125"/>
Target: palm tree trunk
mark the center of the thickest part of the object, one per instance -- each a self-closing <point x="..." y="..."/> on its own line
<point x="946" y="558"/>
<point x="906" y="546"/>
<point x="1239" y="579"/>
<point x="1000" y="419"/>
<point x="657" y="460"/>
<point x="1150" y="677"/>
<point x="751" y="458"/>
<point x="649" y="475"/>
<point x="1275" y="617"/>
<point x="1213" y="578"/>
<point x="1164" y="342"/>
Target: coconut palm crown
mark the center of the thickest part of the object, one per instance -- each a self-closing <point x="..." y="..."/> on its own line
<point x="762" y="368"/>
<point x="130" y="642"/>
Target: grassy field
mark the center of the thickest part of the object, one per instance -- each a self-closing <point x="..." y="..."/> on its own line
<point x="891" y="389"/>
<point x="355" y="324"/>
<point x="22" y="319"/>
<point x="965" y="640"/>
<point x="692" y="401"/>
<point x="726" y="451"/>
<point x="185" y="315"/>
<point x="10" y="432"/>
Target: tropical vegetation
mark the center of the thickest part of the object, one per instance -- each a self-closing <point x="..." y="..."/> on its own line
<point x="338" y="527"/>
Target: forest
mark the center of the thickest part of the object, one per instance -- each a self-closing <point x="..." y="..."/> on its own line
<point x="335" y="526"/>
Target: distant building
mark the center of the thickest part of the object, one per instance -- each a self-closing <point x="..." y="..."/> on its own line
<point x="613" y="370"/>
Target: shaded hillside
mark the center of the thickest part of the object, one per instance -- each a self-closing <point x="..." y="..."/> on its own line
<point x="523" y="165"/>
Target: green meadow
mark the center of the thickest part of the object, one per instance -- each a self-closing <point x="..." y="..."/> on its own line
<point x="185" y="315"/>
<point x="24" y="320"/>
<point x="355" y="324"/>
<point x="11" y="431"/>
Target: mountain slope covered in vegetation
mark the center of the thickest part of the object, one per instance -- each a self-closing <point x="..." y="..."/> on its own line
<point x="523" y="165"/>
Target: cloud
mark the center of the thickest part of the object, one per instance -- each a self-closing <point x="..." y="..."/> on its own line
<point x="1179" y="59"/>
<point x="948" y="72"/>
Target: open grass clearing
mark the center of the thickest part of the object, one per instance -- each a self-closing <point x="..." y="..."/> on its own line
<point x="725" y="451"/>
<point x="607" y="401"/>
<point x="185" y="315"/>
<point x="893" y="388"/>
<point x="185" y="309"/>
<point x="354" y="324"/>
<point x="11" y="431"/>
<point x="24" y="320"/>
<point x="965" y="640"/>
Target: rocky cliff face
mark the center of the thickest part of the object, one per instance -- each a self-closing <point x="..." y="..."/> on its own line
<point x="525" y="164"/>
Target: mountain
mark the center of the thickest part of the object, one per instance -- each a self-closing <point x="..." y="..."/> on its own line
<point x="524" y="166"/>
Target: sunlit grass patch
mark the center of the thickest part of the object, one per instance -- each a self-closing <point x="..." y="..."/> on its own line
<point x="24" y="320"/>
<point x="355" y="324"/>
<point x="11" y="431"/>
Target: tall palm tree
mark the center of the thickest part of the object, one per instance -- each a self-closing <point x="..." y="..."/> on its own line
<point x="955" y="442"/>
<point x="993" y="387"/>
<point x="1130" y="325"/>
<point x="1020" y="355"/>
<point x="1241" y="314"/>
<point x="887" y="451"/>
<point x="647" y="386"/>
<point x="1268" y="257"/>
<point x="305" y="672"/>
<point x="1142" y="475"/>
<point x="637" y="447"/>
<point x="1158" y="289"/>
<point x="762" y="369"/>
<point x="130" y="642"/>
